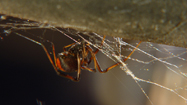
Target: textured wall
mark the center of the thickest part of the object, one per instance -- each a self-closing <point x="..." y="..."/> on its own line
<point x="147" y="20"/>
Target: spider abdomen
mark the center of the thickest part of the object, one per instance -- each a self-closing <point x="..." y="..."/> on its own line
<point x="67" y="62"/>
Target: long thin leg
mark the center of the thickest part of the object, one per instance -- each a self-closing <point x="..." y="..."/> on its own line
<point x="55" y="65"/>
<point x="49" y="57"/>
<point x="89" y="69"/>
<point x="68" y="77"/>
<point x="84" y="60"/>
<point x="64" y="48"/>
<point x="132" y="51"/>
<point x="96" y="50"/>
<point x="94" y="58"/>
<point x="42" y="47"/>
<point x="79" y="66"/>
<point x="116" y="64"/>
<point x="84" y="53"/>
<point x="101" y="44"/>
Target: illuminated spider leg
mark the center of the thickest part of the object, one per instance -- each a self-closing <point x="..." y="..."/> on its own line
<point x="64" y="48"/>
<point x="101" y="44"/>
<point x="57" y="64"/>
<point x="79" y="67"/>
<point x="97" y="66"/>
<point x="84" y="61"/>
<point x="89" y="69"/>
<point x="107" y="69"/>
<point x="97" y="49"/>
<point x="132" y="51"/>
<point x="83" y="53"/>
<point x="49" y="57"/>
<point x="40" y="45"/>
<point x="95" y="59"/>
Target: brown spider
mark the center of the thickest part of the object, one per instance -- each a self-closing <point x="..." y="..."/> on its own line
<point x="75" y="58"/>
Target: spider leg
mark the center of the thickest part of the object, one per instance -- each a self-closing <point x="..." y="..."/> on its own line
<point x="89" y="69"/>
<point x="132" y="51"/>
<point x="39" y="43"/>
<point x="107" y="69"/>
<point x="97" y="49"/>
<point x="64" y="48"/>
<point x="54" y="64"/>
<point x="84" y="61"/>
<point x="94" y="58"/>
<point x="79" y="67"/>
<point x="101" y="44"/>
<point x="68" y="77"/>
<point x="83" y="53"/>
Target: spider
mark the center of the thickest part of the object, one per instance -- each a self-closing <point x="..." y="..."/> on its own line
<point x="75" y="58"/>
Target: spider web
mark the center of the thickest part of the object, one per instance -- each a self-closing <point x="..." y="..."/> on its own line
<point x="160" y="66"/>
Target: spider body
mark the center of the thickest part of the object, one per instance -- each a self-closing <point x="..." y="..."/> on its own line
<point x="68" y="60"/>
<point x="77" y="57"/>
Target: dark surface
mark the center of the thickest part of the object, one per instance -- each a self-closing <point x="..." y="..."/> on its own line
<point x="155" y="21"/>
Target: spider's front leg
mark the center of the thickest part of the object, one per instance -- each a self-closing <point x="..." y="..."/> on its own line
<point x="55" y="62"/>
<point x="118" y="63"/>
